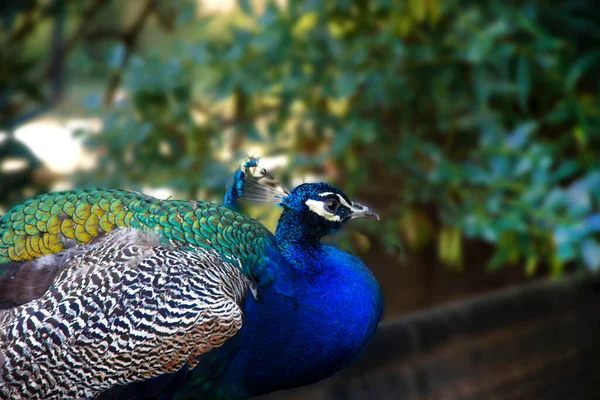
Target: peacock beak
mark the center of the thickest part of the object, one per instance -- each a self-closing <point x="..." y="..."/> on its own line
<point x="362" y="211"/>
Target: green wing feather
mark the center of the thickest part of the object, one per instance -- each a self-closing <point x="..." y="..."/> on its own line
<point x="48" y="223"/>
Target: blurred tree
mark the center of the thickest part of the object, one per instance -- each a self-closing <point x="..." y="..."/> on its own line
<point x="33" y="79"/>
<point x="459" y="120"/>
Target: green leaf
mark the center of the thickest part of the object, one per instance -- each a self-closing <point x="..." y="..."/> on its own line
<point x="418" y="9"/>
<point x="592" y="222"/>
<point x="305" y="23"/>
<point x="590" y="250"/>
<point x="566" y="252"/>
<point x="519" y="137"/>
<point x="531" y="266"/>
<point x="116" y="56"/>
<point x="566" y="170"/>
<point x="580" y="67"/>
<point x="246" y="6"/>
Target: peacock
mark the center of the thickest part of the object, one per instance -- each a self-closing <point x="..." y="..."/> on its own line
<point x="107" y="293"/>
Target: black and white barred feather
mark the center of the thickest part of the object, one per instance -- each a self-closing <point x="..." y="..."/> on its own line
<point x="123" y="309"/>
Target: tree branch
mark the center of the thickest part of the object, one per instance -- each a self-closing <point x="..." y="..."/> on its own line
<point x="105" y="34"/>
<point x="28" y="24"/>
<point x="129" y="41"/>
<point x="86" y="19"/>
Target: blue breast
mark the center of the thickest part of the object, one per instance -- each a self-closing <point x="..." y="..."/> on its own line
<point x="303" y="327"/>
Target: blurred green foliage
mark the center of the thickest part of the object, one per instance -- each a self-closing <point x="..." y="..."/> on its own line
<point x="459" y="120"/>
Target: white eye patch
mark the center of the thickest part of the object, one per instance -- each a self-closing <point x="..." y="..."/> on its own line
<point x="342" y="200"/>
<point x="319" y="208"/>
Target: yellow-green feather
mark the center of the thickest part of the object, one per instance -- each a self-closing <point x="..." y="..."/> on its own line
<point x="45" y="224"/>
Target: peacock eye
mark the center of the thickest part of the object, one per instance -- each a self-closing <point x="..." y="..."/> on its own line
<point x="331" y="205"/>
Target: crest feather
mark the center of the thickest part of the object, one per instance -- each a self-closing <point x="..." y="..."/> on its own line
<point x="260" y="185"/>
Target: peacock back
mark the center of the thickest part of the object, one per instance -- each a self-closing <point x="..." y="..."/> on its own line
<point x="51" y="223"/>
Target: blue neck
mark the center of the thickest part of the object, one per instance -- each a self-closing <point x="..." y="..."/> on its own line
<point x="235" y="191"/>
<point x="300" y="249"/>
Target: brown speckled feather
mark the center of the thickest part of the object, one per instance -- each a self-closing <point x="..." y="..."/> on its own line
<point x="123" y="309"/>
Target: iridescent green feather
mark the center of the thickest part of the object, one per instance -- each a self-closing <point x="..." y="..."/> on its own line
<point x="47" y="223"/>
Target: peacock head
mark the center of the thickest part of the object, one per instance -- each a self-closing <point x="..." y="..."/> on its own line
<point x="311" y="210"/>
<point x="322" y="209"/>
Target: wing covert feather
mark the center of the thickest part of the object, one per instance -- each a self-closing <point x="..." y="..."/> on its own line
<point x="123" y="309"/>
<point x="51" y="223"/>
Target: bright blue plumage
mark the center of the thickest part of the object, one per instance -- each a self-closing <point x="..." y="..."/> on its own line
<point x="290" y="342"/>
